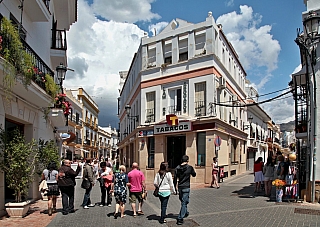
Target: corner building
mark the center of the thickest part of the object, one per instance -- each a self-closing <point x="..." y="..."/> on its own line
<point x="182" y="95"/>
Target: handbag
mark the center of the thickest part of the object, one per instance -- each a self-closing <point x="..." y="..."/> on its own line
<point x="156" y="190"/>
<point x="85" y="183"/>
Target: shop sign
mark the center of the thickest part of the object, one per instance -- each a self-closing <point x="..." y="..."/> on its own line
<point x="165" y="128"/>
<point x="145" y="133"/>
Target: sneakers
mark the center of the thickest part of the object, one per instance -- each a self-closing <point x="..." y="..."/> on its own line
<point x="91" y="205"/>
<point x="101" y="205"/>
<point x="109" y="205"/>
<point x="85" y="207"/>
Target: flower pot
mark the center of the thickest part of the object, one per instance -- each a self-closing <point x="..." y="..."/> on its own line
<point x="17" y="210"/>
<point x="279" y="194"/>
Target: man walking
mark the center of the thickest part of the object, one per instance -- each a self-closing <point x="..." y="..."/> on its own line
<point x="66" y="183"/>
<point x="88" y="173"/>
<point x="182" y="175"/>
<point x="136" y="185"/>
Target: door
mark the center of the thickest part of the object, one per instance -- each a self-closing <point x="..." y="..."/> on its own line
<point x="176" y="148"/>
<point x="250" y="160"/>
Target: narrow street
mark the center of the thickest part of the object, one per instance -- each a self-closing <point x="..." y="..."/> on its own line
<point x="231" y="205"/>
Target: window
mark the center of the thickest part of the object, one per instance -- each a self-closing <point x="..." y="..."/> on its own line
<point x="233" y="151"/>
<point x="200" y="99"/>
<point x="175" y="101"/>
<point x="151" y="152"/>
<point x="183" y="56"/>
<point x="201" y="148"/>
<point x="150" y="111"/>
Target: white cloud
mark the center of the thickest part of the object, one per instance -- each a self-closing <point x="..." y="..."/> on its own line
<point x="157" y="28"/>
<point x="125" y="10"/>
<point x="97" y="51"/>
<point x="229" y="3"/>
<point x="255" y="45"/>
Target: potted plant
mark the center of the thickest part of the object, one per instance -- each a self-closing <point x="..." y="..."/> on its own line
<point x="21" y="161"/>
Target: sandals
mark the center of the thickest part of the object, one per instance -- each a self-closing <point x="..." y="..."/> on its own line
<point x="135" y="215"/>
<point x="140" y="212"/>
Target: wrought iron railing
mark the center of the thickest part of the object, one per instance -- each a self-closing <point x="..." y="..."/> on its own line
<point x="174" y="110"/>
<point x="200" y="108"/>
<point x="47" y="3"/>
<point x="150" y="116"/>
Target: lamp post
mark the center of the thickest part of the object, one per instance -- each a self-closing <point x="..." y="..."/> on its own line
<point x="61" y="74"/>
<point x="307" y="42"/>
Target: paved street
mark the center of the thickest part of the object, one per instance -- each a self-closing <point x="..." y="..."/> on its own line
<point x="231" y="205"/>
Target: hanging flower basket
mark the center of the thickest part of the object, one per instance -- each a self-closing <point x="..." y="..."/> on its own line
<point x="61" y="102"/>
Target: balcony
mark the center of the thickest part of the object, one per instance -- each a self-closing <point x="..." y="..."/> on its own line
<point x="74" y="119"/>
<point x="78" y="141"/>
<point x="87" y="122"/>
<point x="37" y="10"/>
<point x="200" y="108"/>
<point x="174" y="110"/>
<point x="150" y="116"/>
<point x="57" y="117"/>
<point x="87" y="142"/>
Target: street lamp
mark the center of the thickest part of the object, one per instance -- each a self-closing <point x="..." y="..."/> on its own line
<point x="128" y="110"/>
<point x="250" y="119"/>
<point x="61" y="74"/>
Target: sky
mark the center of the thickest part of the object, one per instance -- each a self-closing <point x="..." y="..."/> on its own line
<point x="107" y="34"/>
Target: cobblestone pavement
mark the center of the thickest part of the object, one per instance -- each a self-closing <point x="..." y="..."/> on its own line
<point x="234" y="204"/>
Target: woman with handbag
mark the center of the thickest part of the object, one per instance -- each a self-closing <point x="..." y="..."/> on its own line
<point x="163" y="183"/>
<point x="50" y="175"/>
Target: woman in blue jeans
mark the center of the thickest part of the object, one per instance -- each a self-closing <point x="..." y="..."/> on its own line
<point x="163" y="180"/>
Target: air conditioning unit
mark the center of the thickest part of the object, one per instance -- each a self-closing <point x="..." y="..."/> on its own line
<point x="222" y="83"/>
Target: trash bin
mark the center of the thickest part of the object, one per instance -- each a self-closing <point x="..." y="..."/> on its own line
<point x="221" y="174"/>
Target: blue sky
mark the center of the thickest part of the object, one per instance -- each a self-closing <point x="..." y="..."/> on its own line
<point x="107" y="34"/>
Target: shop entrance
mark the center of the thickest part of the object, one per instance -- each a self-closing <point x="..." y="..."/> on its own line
<point x="176" y="148"/>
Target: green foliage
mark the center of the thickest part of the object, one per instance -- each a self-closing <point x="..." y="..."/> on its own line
<point x="18" y="61"/>
<point x="51" y="87"/>
<point x="48" y="152"/>
<point x="18" y="160"/>
<point x="21" y="161"/>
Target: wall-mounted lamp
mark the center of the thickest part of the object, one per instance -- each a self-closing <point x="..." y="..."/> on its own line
<point x="250" y="119"/>
<point x="61" y="74"/>
<point x="128" y="110"/>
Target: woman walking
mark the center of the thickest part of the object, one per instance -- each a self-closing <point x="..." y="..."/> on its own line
<point x="51" y="176"/>
<point x="215" y="170"/>
<point x="258" y="174"/>
<point x="268" y="174"/>
<point x="119" y="187"/>
<point x="163" y="180"/>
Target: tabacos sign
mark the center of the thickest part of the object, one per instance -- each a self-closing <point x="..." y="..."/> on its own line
<point x="172" y="125"/>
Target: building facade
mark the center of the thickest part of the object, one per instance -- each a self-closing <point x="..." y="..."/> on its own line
<point x="183" y="95"/>
<point x="42" y="27"/>
<point x="90" y="111"/>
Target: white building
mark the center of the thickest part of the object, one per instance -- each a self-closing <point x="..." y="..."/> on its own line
<point x="43" y="25"/>
<point x="182" y="95"/>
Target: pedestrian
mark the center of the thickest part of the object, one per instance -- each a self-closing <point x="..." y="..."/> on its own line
<point x="119" y="188"/>
<point x="66" y="183"/>
<point x="258" y="174"/>
<point x="182" y="176"/>
<point x="137" y="186"/>
<point x="215" y="171"/>
<point x="268" y="173"/>
<point x="88" y="173"/>
<point x="106" y="176"/>
<point x="283" y="168"/>
<point x="163" y="180"/>
<point x="50" y="175"/>
<point x="95" y="166"/>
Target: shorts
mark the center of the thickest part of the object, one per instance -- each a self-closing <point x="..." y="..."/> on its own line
<point x="133" y="196"/>
<point x="268" y="178"/>
<point x="214" y="172"/>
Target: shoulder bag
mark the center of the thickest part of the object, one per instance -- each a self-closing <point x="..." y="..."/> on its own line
<point x="156" y="190"/>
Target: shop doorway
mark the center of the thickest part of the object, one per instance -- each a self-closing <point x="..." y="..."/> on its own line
<point x="176" y="148"/>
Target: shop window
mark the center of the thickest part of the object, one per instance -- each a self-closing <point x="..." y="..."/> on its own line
<point x="201" y="148"/>
<point x="151" y="152"/>
<point x="234" y="151"/>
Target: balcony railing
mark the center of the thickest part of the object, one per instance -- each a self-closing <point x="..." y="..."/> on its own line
<point x="74" y="119"/>
<point x="200" y="108"/>
<point x="150" y="116"/>
<point x="59" y="39"/>
<point x="40" y="69"/>
<point x="174" y="110"/>
<point x="78" y="141"/>
<point x="47" y="3"/>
